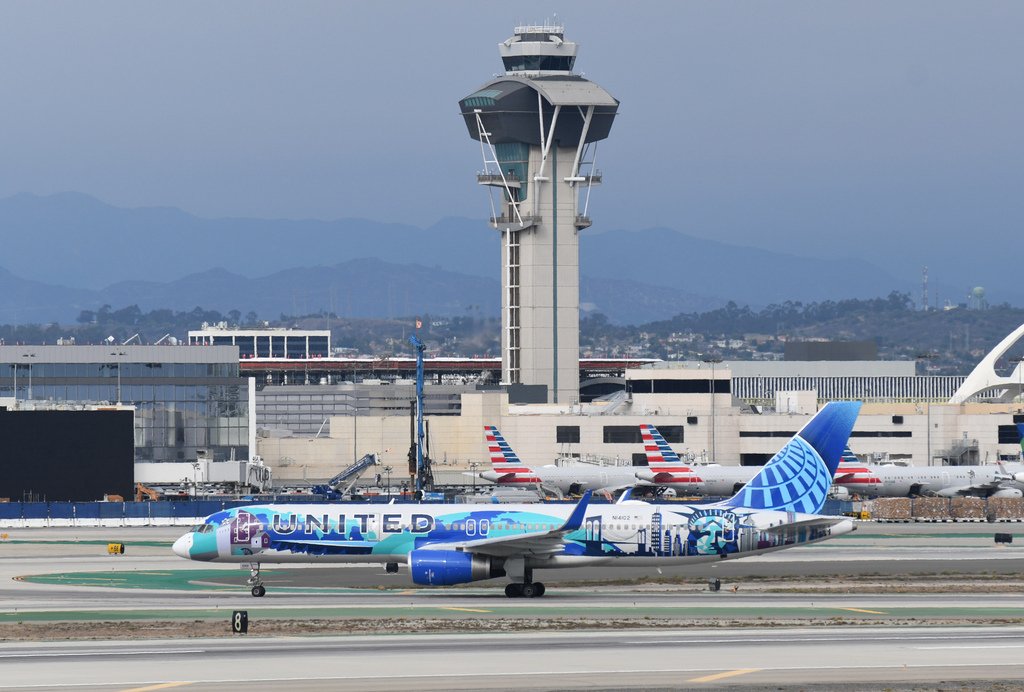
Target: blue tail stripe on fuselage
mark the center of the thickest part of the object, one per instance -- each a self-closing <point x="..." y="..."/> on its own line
<point x="797" y="479"/>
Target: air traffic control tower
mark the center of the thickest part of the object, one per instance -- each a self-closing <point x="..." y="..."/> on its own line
<point x="538" y="128"/>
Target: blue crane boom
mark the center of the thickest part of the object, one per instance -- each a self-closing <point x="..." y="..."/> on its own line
<point x="422" y="465"/>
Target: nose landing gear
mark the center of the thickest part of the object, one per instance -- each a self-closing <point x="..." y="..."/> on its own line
<point x="256" y="584"/>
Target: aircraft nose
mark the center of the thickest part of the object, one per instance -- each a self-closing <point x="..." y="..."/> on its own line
<point x="183" y="545"/>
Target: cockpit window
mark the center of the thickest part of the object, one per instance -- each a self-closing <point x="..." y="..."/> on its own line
<point x="202" y="528"/>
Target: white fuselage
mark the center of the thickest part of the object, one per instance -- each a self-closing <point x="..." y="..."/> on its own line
<point x="903" y="481"/>
<point x="719" y="481"/>
<point x="568" y="479"/>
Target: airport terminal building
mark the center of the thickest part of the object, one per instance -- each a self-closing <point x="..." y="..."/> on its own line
<point x="188" y="402"/>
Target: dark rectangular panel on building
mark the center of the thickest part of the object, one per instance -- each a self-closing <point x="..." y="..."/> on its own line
<point x="63" y="456"/>
<point x="831" y="350"/>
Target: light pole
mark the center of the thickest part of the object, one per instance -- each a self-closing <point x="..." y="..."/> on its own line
<point x="474" y="465"/>
<point x="29" y="355"/>
<point x="195" y="481"/>
<point x="118" y="355"/>
<point x="387" y="474"/>
<point x="714" y="452"/>
<point x="924" y="358"/>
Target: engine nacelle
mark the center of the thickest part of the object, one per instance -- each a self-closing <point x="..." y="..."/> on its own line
<point x="1019" y="477"/>
<point x="447" y="567"/>
<point x="1008" y="492"/>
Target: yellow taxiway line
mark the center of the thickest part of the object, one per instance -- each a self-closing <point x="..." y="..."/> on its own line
<point x="724" y="675"/>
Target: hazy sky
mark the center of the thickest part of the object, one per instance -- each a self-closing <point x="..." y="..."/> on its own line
<point x="892" y="130"/>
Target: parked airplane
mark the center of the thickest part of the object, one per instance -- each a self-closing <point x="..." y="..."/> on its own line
<point x="891" y="480"/>
<point x="456" y="544"/>
<point x="573" y="479"/>
<point x="666" y="469"/>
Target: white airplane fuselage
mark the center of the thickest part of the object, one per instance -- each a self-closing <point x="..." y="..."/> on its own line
<point x="573" y="478"/>
<point x="943" y="481"/>
<point x="715" y="480"/>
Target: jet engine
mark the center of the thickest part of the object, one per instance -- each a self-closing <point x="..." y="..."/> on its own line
<point x="1008" y="492"/>
<point x="447" y="567"/>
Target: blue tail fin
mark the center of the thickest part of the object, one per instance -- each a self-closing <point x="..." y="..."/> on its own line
<point x="1020" y="429"/>
<point x="797" y="479"/>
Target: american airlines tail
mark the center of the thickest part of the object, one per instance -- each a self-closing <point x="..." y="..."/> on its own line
<point x="504" y="461"/>
<point x="854" y="474"/>
<point x="797" y="479"/>
<point x="664" y="463"/>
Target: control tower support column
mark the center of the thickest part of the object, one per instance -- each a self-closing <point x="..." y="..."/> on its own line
<point x="538" y="127"/>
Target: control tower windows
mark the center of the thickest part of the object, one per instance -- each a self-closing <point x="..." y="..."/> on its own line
<point x="535" y="63"/>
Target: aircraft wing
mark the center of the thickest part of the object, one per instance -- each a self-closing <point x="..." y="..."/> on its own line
<point x="614" y="488"/>
<point x="818" y="521"/>
<point x="533" y="543"/>
<point x="976" y="488"/>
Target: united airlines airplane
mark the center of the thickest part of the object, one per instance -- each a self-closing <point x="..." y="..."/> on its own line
<point x="458" y="544"/>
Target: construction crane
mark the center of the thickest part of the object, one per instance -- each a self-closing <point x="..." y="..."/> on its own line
<point x="424" y="476"/>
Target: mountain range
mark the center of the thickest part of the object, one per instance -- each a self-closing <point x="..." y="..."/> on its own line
<point x="69" y="252"/>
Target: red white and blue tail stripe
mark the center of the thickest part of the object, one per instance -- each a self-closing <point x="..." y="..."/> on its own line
<point x="662" y="459"/>
<point x="854" y="473"/>
<point x="505" y="461"/>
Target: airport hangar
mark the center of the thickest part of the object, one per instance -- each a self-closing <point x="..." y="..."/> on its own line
<point x="187" y="408"/>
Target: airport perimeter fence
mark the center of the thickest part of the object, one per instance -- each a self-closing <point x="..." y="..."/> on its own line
<point x="44" y="514"/>
<point x="165" y="513"/>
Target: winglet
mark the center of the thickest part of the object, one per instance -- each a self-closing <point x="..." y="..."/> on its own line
<point x="624" y="497"/>
<point x="575" y="519"/>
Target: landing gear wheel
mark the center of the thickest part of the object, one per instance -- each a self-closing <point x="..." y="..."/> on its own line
<point x="514" y="590"/>
<point x="255" y="583"/>
<point x="528" y="590"/>
<point x="391" y="567"/>
<point x="540" y="589"/>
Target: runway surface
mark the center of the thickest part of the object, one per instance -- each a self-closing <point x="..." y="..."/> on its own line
<point x="872" y="657"/>
<point x="63" y="583"/>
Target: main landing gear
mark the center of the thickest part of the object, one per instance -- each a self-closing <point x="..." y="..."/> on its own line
<point x="526" y="590"/>
<point x="256" y="584"/>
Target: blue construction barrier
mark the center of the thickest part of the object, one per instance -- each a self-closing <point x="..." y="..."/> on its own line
<point x="36" y="510"/>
